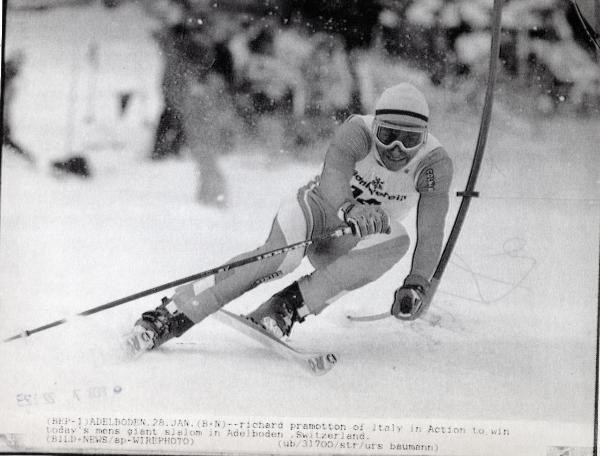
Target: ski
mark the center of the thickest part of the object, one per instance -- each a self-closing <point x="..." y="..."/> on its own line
<point x="314" y="363"/>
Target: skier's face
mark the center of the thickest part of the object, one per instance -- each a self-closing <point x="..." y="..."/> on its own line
<point x="397" y="144"/>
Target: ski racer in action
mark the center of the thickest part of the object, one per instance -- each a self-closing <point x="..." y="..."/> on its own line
<point x="376" y="169"/>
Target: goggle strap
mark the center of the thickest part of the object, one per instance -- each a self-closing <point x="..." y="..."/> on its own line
<point x="402" y="113"/>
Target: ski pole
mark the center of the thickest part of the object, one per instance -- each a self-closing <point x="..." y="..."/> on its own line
<point x="225" y="267"/>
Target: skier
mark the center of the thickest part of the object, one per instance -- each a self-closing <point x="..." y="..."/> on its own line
<point x="376" y="169"/>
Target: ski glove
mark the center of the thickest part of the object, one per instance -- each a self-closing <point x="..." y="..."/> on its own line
<point x="365" y="219"/>
<point x="410" y="300"/>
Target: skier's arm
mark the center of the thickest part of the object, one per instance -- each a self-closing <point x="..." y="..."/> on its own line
<point x="350" y="145"/>
<point x="433" y="185"/>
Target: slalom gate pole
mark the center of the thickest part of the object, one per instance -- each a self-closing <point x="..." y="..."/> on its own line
<point x="469" y="191"/>
<point x="486" y="117"/>
<point x="226" y="267"/>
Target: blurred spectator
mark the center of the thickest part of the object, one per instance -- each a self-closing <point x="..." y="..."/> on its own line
<point x="328" y="76"/>
<point x="434" y="52"/>
<point x="273" y="84"/>
<point x="198" y="111"/>
<point x="449" y="26"/>
<point x="270" y="93"/>
<point x="326" y="84"/>
<point x="353" y="20"/>
<point x="377" y="68"/>
<point x="558" y="66"/>
<point x="11" y="69"/>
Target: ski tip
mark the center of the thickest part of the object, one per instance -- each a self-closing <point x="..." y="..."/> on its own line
<point x="136" y="343"/>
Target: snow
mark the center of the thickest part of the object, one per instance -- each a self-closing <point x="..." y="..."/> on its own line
<point x="511" y="334"/>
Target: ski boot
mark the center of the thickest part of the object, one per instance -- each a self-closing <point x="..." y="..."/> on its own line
<point x="279" y="313"/>
<point x="157" y="326"/>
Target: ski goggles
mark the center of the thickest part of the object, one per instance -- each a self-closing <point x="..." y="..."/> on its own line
<point x="407" y="138"/>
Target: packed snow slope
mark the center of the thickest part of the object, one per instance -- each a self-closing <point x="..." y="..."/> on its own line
<point x="510" y="335"/>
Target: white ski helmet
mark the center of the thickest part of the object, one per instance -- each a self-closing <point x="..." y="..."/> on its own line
<point x="402" y="104"/>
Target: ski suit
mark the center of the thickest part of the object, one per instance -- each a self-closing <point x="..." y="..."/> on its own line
<point x="351" y="171"/>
